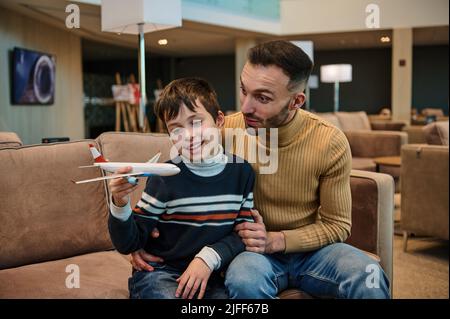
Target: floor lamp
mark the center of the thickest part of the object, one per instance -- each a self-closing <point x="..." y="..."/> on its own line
<point x="336" y="73"/>
<point x="138" y="17"/>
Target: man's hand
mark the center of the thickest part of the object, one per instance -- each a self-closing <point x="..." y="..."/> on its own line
<point x="257" y="239"/>
<point x="194" y="277"/>
<point x="120" y="188"/>
<point x="139" y="259"/>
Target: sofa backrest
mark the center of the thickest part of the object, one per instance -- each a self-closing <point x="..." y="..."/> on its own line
<point x="9" y="139"/>
<point x="348" y="121"/>
<point x="134" y="147"/>
<point x="44" y="216"/>
<point x="430" y="111"/>
<point x="436" y="133"/>
<point x="354" y="121"/>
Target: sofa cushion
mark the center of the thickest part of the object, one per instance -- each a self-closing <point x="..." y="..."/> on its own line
<point x="134" y="147"/>
<point x="352" y="121"/>
<point x="436" y="133"/>
<point x="9" y="139"/>
<point x="44" y="216"/>
<point x="102" y="275"/>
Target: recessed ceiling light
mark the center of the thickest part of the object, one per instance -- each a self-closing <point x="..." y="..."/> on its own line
<point x="163" y="42"/>
<point x="385" y="39"/>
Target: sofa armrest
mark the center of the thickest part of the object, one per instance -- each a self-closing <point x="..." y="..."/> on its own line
<point x="387" y="125"/>
<point x="9" y="139"/>
<point x="372" y="144"/>
<point x="373" y="215"/>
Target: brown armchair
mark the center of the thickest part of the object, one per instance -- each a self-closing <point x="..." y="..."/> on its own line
<point x="425" y="192"/>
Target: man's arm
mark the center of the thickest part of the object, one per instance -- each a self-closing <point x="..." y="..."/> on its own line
<point x="334" y="224"/>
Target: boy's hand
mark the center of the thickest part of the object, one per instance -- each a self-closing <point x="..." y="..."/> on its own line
<point x="120" y="188"/>
<point x="195" y="276"/>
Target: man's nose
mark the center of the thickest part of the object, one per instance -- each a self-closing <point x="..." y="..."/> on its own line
<point x="246" y="105"/>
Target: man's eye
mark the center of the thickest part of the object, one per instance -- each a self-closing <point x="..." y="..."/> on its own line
<point x="243" y="91"/>
<point x="263" y="99"/>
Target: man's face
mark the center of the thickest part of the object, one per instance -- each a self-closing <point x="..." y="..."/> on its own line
<point x="265" y="99"/>
<point x="195" y="134"/>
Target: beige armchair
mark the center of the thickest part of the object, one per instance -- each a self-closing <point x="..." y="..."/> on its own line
<point x="424" y="202"/>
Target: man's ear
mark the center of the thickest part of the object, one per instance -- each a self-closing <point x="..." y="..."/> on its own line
<point x="299" y="100"/>
<point x="220" y="120"/>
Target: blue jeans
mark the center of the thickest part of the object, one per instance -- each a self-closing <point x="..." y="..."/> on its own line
<point x="161" y="284"/>
<point x="334" y="271"/>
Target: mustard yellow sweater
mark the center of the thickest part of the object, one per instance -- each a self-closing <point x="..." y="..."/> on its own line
<point x="308" y="197"/>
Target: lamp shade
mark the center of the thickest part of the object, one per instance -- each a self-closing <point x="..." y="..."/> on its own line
<point x="122" y="16"/>
<point x="332" y="73"/>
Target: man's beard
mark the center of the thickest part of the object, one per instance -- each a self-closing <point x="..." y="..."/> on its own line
<point x="276" y="121"/>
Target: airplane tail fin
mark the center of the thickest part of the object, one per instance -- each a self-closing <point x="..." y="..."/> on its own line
<point x="98" y="158"/>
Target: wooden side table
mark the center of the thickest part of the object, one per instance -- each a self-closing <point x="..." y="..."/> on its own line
<point x="394" y="161"/>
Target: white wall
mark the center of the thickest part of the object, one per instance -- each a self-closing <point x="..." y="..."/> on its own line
<point x="327" y="16"/>
<point x="66" y="116"/>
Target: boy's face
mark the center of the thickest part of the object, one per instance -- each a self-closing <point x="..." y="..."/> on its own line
<point x="195" y="134"/>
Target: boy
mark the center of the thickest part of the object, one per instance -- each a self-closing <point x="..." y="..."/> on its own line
<point x="194" y="211"/>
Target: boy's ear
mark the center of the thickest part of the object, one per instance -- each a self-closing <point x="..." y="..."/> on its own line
<point x="220" y="120"/>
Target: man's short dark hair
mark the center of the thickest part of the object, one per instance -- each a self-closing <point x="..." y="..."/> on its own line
<point x="186" y="90"/>
<point x="294" y="62"/>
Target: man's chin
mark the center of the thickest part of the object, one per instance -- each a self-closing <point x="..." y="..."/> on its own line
<point x="251" y="130"/>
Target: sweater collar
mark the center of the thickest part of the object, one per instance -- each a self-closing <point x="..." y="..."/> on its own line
<point x="288" y="131"/>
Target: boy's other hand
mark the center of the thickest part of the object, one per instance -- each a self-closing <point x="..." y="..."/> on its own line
<point x="120" y="188"/>
<point x="139" y="260"/>
<point x="194" y="277"/>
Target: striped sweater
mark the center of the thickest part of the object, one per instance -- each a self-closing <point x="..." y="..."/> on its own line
<point x="190" y="212"/>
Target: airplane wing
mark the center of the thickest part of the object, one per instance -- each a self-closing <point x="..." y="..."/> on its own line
<point x="155" y="158"/>
<point x="106" y="177"/>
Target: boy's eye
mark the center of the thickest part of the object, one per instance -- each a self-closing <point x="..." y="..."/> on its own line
<point x="176" y="131"/>
<point x="197" y="122"/>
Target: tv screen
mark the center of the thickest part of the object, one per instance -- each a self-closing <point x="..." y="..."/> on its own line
<point x="33" y="77"/>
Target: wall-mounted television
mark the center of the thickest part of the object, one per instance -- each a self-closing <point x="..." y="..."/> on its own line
<point x="33" y="78"/>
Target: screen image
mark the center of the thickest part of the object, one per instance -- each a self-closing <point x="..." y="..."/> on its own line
<point x="33" y="77"/>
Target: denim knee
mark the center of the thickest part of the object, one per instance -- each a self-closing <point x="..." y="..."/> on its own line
<point x="363" y="278"/>
<point x="250" y="276"/>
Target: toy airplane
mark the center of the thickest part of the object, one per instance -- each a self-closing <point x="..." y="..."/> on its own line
<point x="138" y="169"/>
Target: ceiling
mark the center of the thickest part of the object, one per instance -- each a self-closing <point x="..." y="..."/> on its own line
<point x="194" y="39"/>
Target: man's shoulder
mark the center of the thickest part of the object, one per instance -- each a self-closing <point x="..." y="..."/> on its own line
<point x="322" y="125"/>
<point x="235" y="120"/>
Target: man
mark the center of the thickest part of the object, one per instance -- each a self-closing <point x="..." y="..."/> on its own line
<point x="305" y="206"/>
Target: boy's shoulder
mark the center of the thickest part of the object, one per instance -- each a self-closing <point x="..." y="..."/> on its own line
<point x="239" y="163"/>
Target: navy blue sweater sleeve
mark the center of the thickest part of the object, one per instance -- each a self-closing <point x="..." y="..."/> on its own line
<point x="131" y="235"/>
<point x="231" y="245"/>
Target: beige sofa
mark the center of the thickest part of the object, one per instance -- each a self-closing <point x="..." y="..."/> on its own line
<point x="368" y="141"/>
<point x="49" y="223"/>
<point x="425" y="191"/>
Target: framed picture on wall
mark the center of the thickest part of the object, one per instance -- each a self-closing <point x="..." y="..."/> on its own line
<point x="33" y="78"/>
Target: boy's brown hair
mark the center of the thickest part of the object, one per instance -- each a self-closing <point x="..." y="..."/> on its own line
<point x="186" y="91"/>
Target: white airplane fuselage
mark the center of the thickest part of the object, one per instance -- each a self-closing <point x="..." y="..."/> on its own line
<point x="162" y="169"/>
